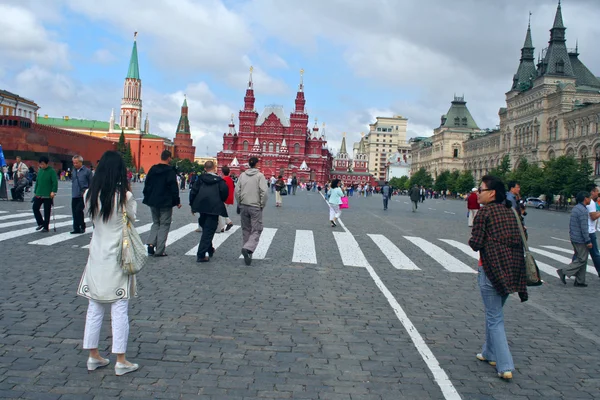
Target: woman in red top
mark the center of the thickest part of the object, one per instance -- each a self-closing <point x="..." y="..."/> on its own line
<point x="472" y="206"/>
<point x="225" y="223"/>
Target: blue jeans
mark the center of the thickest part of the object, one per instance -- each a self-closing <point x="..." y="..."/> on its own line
<point x="495" y="347"/>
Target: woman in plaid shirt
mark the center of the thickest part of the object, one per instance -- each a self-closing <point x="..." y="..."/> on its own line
<point x="496" y="236"/>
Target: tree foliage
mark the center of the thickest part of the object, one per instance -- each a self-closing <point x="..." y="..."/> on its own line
<point x="186" y="166"/>
<point x="503" y="170"/>
<point x="421" y="178"/>
<point x="125" y="149"/>
<point x="464" y="183"/>
<point x="400" y="183"/>
<point x="442" y="181"/>
<point x="566" y="176"/>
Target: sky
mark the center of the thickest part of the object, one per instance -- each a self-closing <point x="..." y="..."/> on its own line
<point x="362" y="59"/>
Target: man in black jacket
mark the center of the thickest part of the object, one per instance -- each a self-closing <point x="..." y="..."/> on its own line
<point x="161" y="194"/>
<point x="207" y="197"/>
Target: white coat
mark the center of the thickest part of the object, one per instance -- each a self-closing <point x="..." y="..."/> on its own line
<point x="103" y="279"/>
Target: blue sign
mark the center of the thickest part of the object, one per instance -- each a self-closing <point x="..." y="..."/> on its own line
<point x="2" y="160"/>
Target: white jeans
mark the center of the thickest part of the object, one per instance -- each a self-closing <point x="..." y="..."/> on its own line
<point x="334" y="211"/>
<point x="223" y="221"/>
<point x="472" y="214"/>
<point x="120" y="325"/>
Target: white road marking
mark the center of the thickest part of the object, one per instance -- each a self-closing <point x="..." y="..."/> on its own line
<point x="433" y="209"/>
<point x="562" y="250"/>
<point x="549" y="269"/>
<point x="27" y="231"/>
<point x="562" y="240"/>
<point x="304" y="248"/>
<point x="218" y="240"/>
<point x="181" y="232"/>
<point x="61" y="237"/>
<point x="266" y="237"/>
<point x="398" y="259"/>
<point x="3" y="212"/>
<point x="350" y="252"/>
<point x="444" y="258"/>
<point x="29" y="221"/>
<point x="13" y="216"/>
<point x="556" y="257"/>
<point x="140" y="230"/>
<point x="448" y="212"/>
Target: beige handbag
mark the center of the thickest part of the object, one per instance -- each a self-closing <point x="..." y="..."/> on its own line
<point x="133" y="254"/>
<point x="532" y="271"/>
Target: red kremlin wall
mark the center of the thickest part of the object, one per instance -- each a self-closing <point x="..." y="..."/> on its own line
<point x="20" y="136"/>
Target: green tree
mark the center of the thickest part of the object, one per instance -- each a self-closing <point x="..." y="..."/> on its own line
<point x="399" y="183"/>
<point x="421" y="178"/>
<point x="465" y="182"/>
<point x="121" y="148"/>
<point x="503" y="169"/>
<point x="186" y="166"/>
<point x="566" y="176"/>
<point x="442" y="181"/>
<point x="128" y="157"/>
<point x="452" y="181"/>
<point x="529" y="177"/>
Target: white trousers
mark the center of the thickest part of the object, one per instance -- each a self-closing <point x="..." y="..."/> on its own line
<point x="334" y="211"/>
<point x="223" y="221"/>
<point x="120" y="325"/>
<point x="472" y="214"/>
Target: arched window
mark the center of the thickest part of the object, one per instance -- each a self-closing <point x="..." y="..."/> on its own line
<point x="126" y="121"/>
<point x="245" y="145"/>
<point x="135" y="120"/>
<point x="264" y="147"/>
<point x="270" y="147"/>
<point x="297" y="148"/>
<point x="277" y="148"/>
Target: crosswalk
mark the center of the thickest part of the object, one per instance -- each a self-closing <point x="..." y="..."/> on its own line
<point x="409" y="254"/>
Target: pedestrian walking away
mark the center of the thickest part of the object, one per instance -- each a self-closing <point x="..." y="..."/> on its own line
<point x="46" y="186"/>
<point x="294" y="185"/>
<point x="386" y="192"/>
<point x="103" y="280"/>
<point x="497" y="238"/>
<point x="225" y="223"/>
<point x="415" y="196"/>
<point x="82" y="178"/>
<point x="161" y="194"/>
<point x="207" y="197"/>
<point x="251" y="197"/>
<point x="335" y="199"/>
<point x="279" y="186"/>
<point x="580" y="240"/>
<point x="472" y="206"/>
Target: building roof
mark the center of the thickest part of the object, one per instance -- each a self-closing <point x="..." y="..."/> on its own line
<point x="584" y="76"/>
<point x="273" y="109"/>
<point x="6" y="93"/>
<point x="343" y="146"/>
<point x="556" y="58"/>
<point x="75" y="123"/>
<point x="134" y="70"/>
<point x="527" y="71"/>
<point x="458" y="116"/>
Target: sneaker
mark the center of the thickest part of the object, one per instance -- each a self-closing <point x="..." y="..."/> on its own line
<point x="229" y="226"/>
<point x="247" y="256"/>
<point x="150" y="250"/>
<point x="40" y="227"/>
<point x="505" y="375"/>
<point x="580" y="284"/>
<point x="480" y="357"/>
<point x="562" y="276"/>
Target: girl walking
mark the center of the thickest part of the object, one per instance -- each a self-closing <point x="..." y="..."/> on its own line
<point x="279" y="184"/>
<point x="335" y="199"/>
<point x="103" y="280"/>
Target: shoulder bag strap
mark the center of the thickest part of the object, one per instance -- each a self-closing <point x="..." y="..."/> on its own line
<point x="521" y="230"/>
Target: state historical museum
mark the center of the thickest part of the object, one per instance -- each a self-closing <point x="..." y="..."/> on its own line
<point x="284" y="145"/>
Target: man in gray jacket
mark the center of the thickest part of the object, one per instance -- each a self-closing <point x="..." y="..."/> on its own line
<point x="82" y="180"/>
<point x="251" y="197"/>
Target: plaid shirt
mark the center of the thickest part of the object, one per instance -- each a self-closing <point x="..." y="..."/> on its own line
<point x="497" y="238"/>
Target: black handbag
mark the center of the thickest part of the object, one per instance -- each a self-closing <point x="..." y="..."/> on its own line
<point x="283" y="192"/>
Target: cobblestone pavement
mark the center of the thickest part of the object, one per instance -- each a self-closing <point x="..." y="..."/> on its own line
<point x="387" y="308"/>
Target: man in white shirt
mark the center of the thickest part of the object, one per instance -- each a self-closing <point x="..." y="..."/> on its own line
<point x="272" y="181"/>
<point x="19" y="166"/>
<point x="289" y="185"/>
<point x="593" y="216"/>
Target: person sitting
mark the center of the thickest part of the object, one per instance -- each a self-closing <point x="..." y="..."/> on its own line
<point x="17" y="192"/>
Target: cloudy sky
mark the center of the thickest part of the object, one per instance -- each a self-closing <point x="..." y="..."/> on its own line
<point x="362" y="58"/>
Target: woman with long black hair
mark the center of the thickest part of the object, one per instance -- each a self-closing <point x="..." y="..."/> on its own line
<point x="103" y="280"/>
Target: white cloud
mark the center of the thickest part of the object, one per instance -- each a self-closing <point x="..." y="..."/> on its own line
<point x="103" y="56"/>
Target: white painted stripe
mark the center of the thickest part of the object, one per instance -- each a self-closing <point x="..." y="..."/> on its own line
<point x="351" y="254"/>
<point x="27" y="231"/>
<point x="556" y="257"/>
<point x="444" y="258"/>
<point x="3" y="212"/>
<point x="266" y="237"/>
<point x="398" y="259"/>
<point x="218" y="240"/>
<point x="439" y="375"/>
<point x="448" y="212"/>
<point x="13" y="216"/>
<point x="562" y="240"/>
<point x="29" y="221"/>
<point x="181" y="232"/>
<point x="550" y="270"/>
<point x="304" y="248"/>
<point x="140" y="230"/>
<point x="561" y="249"/>
<point x="50" y="240"/>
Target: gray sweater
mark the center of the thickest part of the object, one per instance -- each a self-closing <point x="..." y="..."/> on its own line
<point x="82" y="179"/>
<point x="578" y="225"/>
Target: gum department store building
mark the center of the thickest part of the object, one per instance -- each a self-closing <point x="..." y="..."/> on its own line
<point x="552" y="109"/>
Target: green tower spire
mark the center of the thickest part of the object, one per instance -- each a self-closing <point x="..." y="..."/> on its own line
<point x="134" y="71"/>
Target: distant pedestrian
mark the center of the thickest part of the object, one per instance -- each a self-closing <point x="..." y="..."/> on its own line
<point x="46" y="186"/>
<point x="207" y="197"/>
<point x="19" y="166"/>
<point x="472" y="206"/>
<point x="335" y="199"/>
<point x="251" y="197"/>
<point x="18" y="191"/>
<point x="82" y="179"/>
<point x="225" y="223"/>
<point x="386" y="192"/>
<point x="294" y="184"/>
<point x="422" y="193"/>
<point x="272" y="183"/>
<point x="161" y="195"/>
<point x="415" y="196"/>
<point x="279" y="185"/>
<point x="580" y="240"/>
<point x="103" y="279"/>
<point x="496" y="235"/>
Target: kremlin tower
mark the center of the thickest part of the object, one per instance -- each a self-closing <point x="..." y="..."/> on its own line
<point x="131" y="103"/>
<point x="184" y="147"/>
